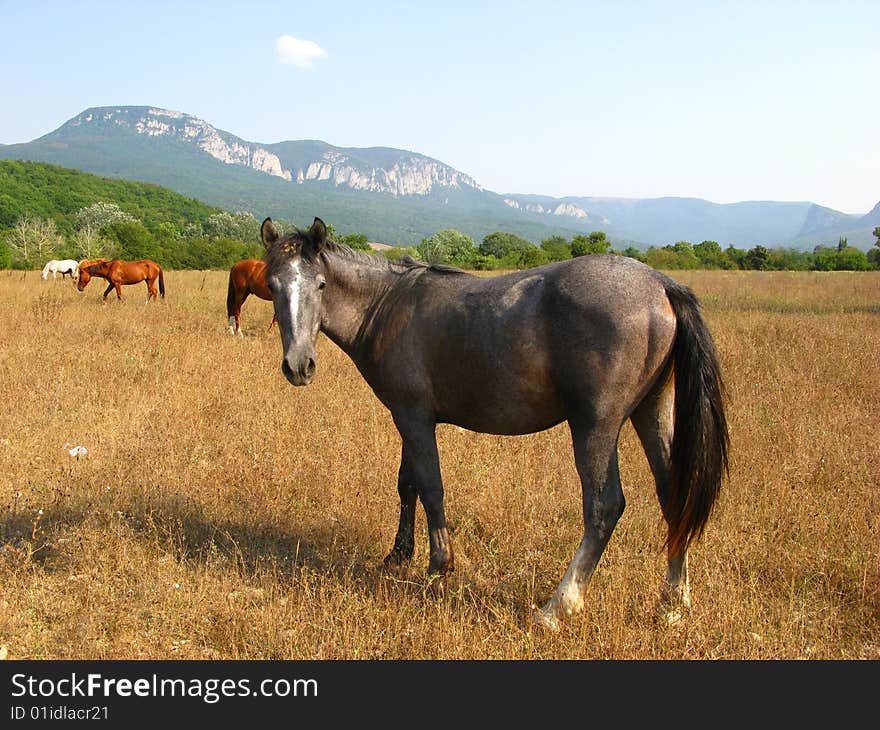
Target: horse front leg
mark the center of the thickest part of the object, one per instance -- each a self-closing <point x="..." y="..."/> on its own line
<point x="404" y="541"/>
<point x="595" y="450"/>
<point x="110" y="287"/>
<point x="423" y="469"/>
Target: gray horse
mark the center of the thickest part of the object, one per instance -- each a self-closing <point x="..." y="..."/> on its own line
<point x="591" y="341"/>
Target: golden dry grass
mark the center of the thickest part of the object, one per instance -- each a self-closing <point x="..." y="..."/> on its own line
<point x="221" y="513"/>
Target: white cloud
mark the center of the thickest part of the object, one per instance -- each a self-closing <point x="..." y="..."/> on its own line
<point x="299" y="53"/>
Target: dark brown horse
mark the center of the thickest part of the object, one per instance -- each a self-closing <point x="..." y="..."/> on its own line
<point x="592" y="341"/>
<point x="118" y="272"/>
<point x="245" y="278"/>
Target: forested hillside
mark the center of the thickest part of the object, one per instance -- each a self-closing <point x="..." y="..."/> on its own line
<point x="50" y="212"/>
<point x="53" y="192"/>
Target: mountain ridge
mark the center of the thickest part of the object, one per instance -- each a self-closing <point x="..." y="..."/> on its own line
<point x="397" y="195"/>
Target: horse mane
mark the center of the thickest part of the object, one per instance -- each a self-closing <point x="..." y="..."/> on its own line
<point x="375" y="261"/>
<point x="91" y="268"/>
<point x="378" y="261"/>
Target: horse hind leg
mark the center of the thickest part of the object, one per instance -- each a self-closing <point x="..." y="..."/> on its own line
<point x="234" y="321"/>
<point x="653" y="422"/>
<point x="595" y="450"/>
<point x="234" y="314"/>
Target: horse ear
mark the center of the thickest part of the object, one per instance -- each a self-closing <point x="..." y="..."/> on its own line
<point x="318" y="235"/>
<point x="269" y="233"/>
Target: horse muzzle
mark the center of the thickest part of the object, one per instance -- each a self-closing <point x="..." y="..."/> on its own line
<point x="299" y="371"/>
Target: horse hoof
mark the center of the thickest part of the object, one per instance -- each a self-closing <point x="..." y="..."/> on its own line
<point x="669" y="614"/>
<point x="395" y="560"/>
<point x="396" y="564"/>
<point x="436" y="586"/>
<point x="546" y="619"/>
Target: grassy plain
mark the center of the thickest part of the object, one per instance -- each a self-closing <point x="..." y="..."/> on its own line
<point x="221" y="513"/>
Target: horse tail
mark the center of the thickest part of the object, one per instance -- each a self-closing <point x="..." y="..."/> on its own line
<point x="161" y="283"/>
<point x="700" y="439"/>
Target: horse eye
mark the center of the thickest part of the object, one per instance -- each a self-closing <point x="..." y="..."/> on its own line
<point x="322" y="284"/>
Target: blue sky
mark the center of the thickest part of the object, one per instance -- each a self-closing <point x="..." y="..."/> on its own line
<point x="726" y="101"/>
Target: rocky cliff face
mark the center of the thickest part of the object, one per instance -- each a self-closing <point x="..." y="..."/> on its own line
<point x="183" y="127"/>
<point x="409" y="175"/>
<point x="405" y="174"/>
<point x="568" y="209"/>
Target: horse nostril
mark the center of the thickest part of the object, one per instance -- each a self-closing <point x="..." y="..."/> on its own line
<point x="307" y="369"/>
<point x="285" y="368"/>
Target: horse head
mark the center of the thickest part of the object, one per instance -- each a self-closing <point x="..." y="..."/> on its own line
<point x="83" y="277"/>
<point x="295" y="279"/>
<point x="85" y="270"/>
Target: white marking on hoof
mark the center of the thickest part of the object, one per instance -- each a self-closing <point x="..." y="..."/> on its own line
<point x="571" y="598"/>
<point x="545" y="618"/>
<point x="674" y="603"/>
<point x="669" y="614"/>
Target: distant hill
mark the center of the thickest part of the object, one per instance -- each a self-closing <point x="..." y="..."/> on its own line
<point x="394" y="195"/>
<point x="50" y="191"/>
<point x="872" y="218"/>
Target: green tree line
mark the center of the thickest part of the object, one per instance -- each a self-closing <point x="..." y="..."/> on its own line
<point x="501" y="250"/>
<point x="222" y="238"/>
<point x="104" y="230"/>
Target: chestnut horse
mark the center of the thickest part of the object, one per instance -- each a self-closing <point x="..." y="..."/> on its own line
<point x="245" y="278"/>
<point x="118" y="272"/>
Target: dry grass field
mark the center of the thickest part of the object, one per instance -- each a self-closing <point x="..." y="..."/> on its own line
<point x="221" y="513"/>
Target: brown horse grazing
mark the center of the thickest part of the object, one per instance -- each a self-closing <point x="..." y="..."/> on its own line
<point x="119" y="272"/>
<point x="245" y="278"/>
<point x="593" y="341"/>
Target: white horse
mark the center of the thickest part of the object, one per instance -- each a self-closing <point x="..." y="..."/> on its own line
<point x="68" y="266"/>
